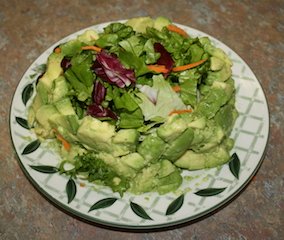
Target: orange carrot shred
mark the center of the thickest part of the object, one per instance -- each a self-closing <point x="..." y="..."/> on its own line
<point x="188" y="66"/>
<point x="180" y="111"/>
<point x="65" y="144"/>
<point x="94" y="48"/>
<point x="158" y="68"/>
<point x="176" y="88"/>
<point x="174" y="28"/>
<point x="57" y="50"/>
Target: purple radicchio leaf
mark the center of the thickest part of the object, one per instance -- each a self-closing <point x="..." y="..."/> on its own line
<point x="165" y="57"/>
<point x="98" y="111"/>
<point x="65" y="63"/>
<point x="99" y="93"/>
<point x="109" y="68"/>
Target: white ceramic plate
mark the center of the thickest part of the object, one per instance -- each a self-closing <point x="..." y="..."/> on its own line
<point x="206" y="190"/>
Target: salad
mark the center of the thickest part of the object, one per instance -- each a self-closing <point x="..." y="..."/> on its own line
<point x="133" y="106"/>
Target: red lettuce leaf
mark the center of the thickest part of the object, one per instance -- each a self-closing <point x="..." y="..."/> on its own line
<point x="98" y="93"/>
<point x="109" y="68"/>
<point x="165" y="57"/>
<point x="98" y="111"/>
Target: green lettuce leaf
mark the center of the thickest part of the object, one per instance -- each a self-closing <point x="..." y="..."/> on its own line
<point x="167" y="100"/>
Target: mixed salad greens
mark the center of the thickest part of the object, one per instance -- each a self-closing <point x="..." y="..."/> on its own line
<point x="132" y="106"/>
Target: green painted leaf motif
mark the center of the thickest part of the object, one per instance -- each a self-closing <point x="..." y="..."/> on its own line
<point x="234" y="165"/>
<point x="139" y="211"/>
<point x="104" y="203"/>
<point x="31" y="147"/>
<point x="44" y="168"/>
<point x="40" y="68"/>
<point x="175" y="205"/>
<point x="23" y="122"/>
<point x="71" y="190"/>
<point x="27" y="93"/>
<point x="208" y="192"/>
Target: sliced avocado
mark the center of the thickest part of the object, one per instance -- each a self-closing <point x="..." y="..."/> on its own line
<point x="222" y="75"/>
<point x="194" y="161"/>
<point x="166" y="168"/>
<point x="125" y="142"/>
<point x="68" y="122"/>
<point x="219" y="94"/>
<point x="216" y="63"/>
<point x="146" y="180"/>
<point x="96" y="134"/>
<point x="140" y="24"/>
<point x="212" y="136"/>
<point x="161" y="22"/>
<point x="151" y="148"/>
<point x="179" y="146"/>
<point x="64" y="106"/>
<point x="226" y="117"/>
<point x="172" y="128"/>
<point x="213" y="51"/>
<point x="133" y="160"/>
<point x="42" y="91"/>
<point x="44" y="113"/>
<point x="53" y="70"/>
<point x="60" y="89"/>
<point x="169" y="183"/>
<point x="118" y="166"/>
<point x="88" y="37"/>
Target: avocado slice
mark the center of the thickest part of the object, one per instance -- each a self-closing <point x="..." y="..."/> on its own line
<point x="53" y="70"/>
<point x="95" y="134"/>
<point x="151" y="148"/>
<point x="179" y="146"/>
<point x="194" y="161"/>
<point x="139" y="24"/>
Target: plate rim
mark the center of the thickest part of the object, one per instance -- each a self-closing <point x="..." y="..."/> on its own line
<point x="104" y="223"/>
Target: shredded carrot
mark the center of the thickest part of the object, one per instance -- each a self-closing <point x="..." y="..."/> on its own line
<point x="94" y="48"/>
<point x="174" y="28"/>
<point x="158" y="68"/>
<point x="188" y="66"/>
<point x="65" y="144"/>
<point x="57" y="50"/>
<point x="180" y="111"/>
<point x="176" y="88"/>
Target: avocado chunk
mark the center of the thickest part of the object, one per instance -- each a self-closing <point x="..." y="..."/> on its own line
<point x="161" y="22"/>
<point x="146" y="180"/>
<point x="125" y="142"/>
<point x="43" y="116"/>
<point x="133" y="160"/>
<point x="140" y="24"/>
<point x="60" y="89"/>
<point x="151" y="148"/>
<point x="161" y="177"/>
<point x="117" y="165"/>
<point x="226" y="118"/>
<point x="64" y="106"/>
<point x="166" y="168"/>
<point x="179" y="146"/>
<point x="169" y="183"/>
<point x="95" y="134"/>
<point x="194" y="161"/>
<point x="220" y="93"/>
<point x="88" y="37"/>
<point x="216" y="63"/>
<point x="53" y="70"/>
<point x="172" y="128"/>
